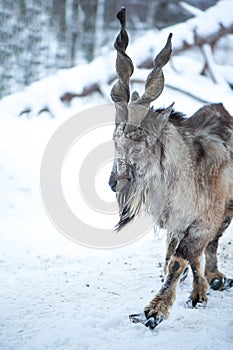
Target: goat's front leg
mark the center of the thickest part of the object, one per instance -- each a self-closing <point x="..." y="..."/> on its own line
<point x="171" y="247"/>
<point x="172" y="242"/>
<point x="158" y="309"/>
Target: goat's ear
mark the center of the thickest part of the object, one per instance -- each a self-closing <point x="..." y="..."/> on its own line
<point x="162" y="118"/>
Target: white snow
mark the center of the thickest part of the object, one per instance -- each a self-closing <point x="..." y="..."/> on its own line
<point x="57" y="295"/>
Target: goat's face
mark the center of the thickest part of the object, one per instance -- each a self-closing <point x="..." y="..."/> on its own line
<point x="136" y="162"/>
<point x="138" y="153"/>
<point x="134" y="157"/>
<point x="128" y="161"/>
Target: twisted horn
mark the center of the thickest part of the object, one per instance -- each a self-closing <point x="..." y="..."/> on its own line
<point x="124" y="67"/>
<point x="138" y="108"/>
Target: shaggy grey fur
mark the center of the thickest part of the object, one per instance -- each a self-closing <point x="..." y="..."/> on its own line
<point x="178" y="170"/>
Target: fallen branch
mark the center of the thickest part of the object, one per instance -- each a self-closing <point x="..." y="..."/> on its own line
<point x="68" y="96"/>
<point x="198" y="41"/>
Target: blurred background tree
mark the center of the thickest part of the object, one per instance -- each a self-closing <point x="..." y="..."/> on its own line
<point x="38" y="37"/>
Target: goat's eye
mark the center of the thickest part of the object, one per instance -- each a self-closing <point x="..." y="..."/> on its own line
<point x="137" y="149"/>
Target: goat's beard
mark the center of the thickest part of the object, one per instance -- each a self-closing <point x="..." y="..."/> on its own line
<point x="131" y="201"/>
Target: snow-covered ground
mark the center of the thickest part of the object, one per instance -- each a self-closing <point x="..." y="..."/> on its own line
<point x="57" y="295"/>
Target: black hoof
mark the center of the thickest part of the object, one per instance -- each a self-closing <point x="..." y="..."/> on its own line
<point x="222" y="283"/>
<point x="228" y="283"/>
<point x="195" y="304"/>
<point x="150" y="322"/>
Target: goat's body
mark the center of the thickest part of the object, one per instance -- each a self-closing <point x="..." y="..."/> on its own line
<point x="187" y="187"/>
<point x="190" y="176"/>
<point x="196" y="180"/>
<point x="180" y="171"/>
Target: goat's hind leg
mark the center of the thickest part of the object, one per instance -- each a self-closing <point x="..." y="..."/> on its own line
<point x="191" y="248"/>
<point x="216" y="279"/>
<point x="198" y="296"/>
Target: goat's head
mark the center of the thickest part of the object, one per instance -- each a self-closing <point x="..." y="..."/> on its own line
<point x="135" y="133"/>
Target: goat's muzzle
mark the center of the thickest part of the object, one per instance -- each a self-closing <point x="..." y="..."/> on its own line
<point x="112" y="182"/>
<point x="118" y="184"/>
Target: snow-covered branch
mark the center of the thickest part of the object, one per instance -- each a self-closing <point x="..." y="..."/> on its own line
<point x="206" y="28"/>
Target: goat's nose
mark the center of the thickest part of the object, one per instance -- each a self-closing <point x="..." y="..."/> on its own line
<point x="112" y="183"/>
